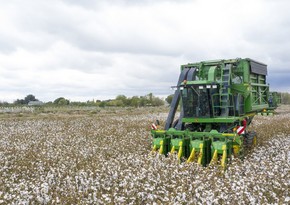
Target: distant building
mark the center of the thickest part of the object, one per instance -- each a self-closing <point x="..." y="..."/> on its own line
<point x="35" y="103"/>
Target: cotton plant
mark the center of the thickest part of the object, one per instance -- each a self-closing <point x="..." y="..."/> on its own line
<point x="105" y="159"/>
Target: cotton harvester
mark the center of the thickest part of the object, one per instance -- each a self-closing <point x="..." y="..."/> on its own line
<point x="218" y="100"/>
<point x="273" y="101"/>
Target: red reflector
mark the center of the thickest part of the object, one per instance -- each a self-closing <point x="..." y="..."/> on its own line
<point x="241" y="130"/>
<point x="153" y="127"/>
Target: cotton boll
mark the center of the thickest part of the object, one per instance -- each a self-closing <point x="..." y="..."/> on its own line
<point x="105" y="159"/>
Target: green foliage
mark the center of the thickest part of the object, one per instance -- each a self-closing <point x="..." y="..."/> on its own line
<point x="102" y="104"/>
<point x="119" y="101"/>
<point x="285" y="98"/>
<point x="135" y="101"/>
<point x="61" y="101"/>
<point x="143" y="101"/>
<point x="169" y="99"/>
<point x="26" y="100"/>
<point x="29" y="98"/>
<point x="122" y="101"/>
<point x="115" y="103"/>
<point x="157" y="102"/>
<point x="19" y="102"/>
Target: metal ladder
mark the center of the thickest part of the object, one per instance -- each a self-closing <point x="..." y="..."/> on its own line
<point x="225" y="90"/>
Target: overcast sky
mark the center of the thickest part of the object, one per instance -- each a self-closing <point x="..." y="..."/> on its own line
<point x="84" y="50"/>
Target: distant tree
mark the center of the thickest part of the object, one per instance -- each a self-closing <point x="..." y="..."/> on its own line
<point x="143" y="101"/>
<point x="123" y="99"/>
<point x="29" y="98"/>
<point x="61" y="101"/>
<point x="91" y="103"/>
<point x="157" y="101"/>
<point x="134" y="101"/>
<point x="115" y="103"/>
<point x="49" y="103"/>
<point x="4" y="103"/>
<point x="150" y="97"/>
<point x="169" y="99"/>
<point x="102" y="104"/>
<point x="26" y="100"/>
<point x="19" y="102"/>
<point x="285" y="98"/>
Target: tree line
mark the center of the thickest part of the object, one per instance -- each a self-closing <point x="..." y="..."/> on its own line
<point x="285" y="98"/>
<point x="119" y="101"/>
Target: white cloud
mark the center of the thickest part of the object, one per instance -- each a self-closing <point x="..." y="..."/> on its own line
<point x="87" y="49"/>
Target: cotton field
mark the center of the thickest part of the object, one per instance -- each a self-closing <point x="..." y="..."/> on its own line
<point x="104" y="158"/>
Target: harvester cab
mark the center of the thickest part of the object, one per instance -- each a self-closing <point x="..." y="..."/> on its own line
<point x="218" y="100"/>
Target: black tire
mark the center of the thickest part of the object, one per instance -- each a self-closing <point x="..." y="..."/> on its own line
<point x="250" y="140"/>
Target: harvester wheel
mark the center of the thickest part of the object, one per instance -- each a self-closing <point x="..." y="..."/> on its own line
<point x="251" y="139"/>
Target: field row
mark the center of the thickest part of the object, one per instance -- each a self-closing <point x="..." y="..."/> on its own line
<point x="104" y="158"/>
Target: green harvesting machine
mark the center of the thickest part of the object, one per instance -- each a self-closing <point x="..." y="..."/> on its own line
<point x="273" y="101"/>
<point x="218" y="100"/>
